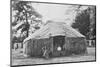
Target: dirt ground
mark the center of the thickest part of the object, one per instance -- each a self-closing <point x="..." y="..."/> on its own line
<point x="18" y="59"/>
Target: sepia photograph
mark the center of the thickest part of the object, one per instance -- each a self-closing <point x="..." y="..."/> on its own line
<point x="51" y="33"/>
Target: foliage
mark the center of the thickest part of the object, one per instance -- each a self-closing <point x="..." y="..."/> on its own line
<point x="85" y="22"/>
<point x="82" y="22"/>
<point x="24" y="12"/>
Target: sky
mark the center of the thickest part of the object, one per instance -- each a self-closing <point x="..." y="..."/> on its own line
<point x="56" y="12"/>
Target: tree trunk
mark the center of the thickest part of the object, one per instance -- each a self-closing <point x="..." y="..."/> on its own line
<point x="27" y="25"/>
<point x="27" y="33"/>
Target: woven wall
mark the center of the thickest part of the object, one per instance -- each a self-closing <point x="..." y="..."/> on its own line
<point x="72" y="46"/>
<point x="35" y="47"/>
<point x="76" y="45"/>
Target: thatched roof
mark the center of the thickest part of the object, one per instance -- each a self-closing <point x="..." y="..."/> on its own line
<point x="54" y="29"/>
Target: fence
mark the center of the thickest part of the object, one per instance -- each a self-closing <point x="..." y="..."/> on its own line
<point x="91" y="43"/>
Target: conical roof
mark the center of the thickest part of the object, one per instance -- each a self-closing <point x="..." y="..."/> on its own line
<point x="54" y="29"/>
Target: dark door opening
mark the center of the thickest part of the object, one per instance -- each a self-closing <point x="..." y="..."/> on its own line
<point x="59" y="41"/>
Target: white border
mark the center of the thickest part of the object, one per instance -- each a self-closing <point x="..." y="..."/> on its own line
<point x="5" y="33"/>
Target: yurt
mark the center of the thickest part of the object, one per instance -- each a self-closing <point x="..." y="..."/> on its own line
<point x="55" y="39"/>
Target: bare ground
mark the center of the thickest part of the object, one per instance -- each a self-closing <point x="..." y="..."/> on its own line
<point x="18" y="59"/>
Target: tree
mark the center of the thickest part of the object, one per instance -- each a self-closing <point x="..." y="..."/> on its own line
<point x="82" y="22"/>
<point x="92" y="12"/>
<point x="85" y="22"/>
<point x="24" y="15"/>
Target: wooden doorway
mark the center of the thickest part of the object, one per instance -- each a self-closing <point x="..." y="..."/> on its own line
<point x="58" y="41"/>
